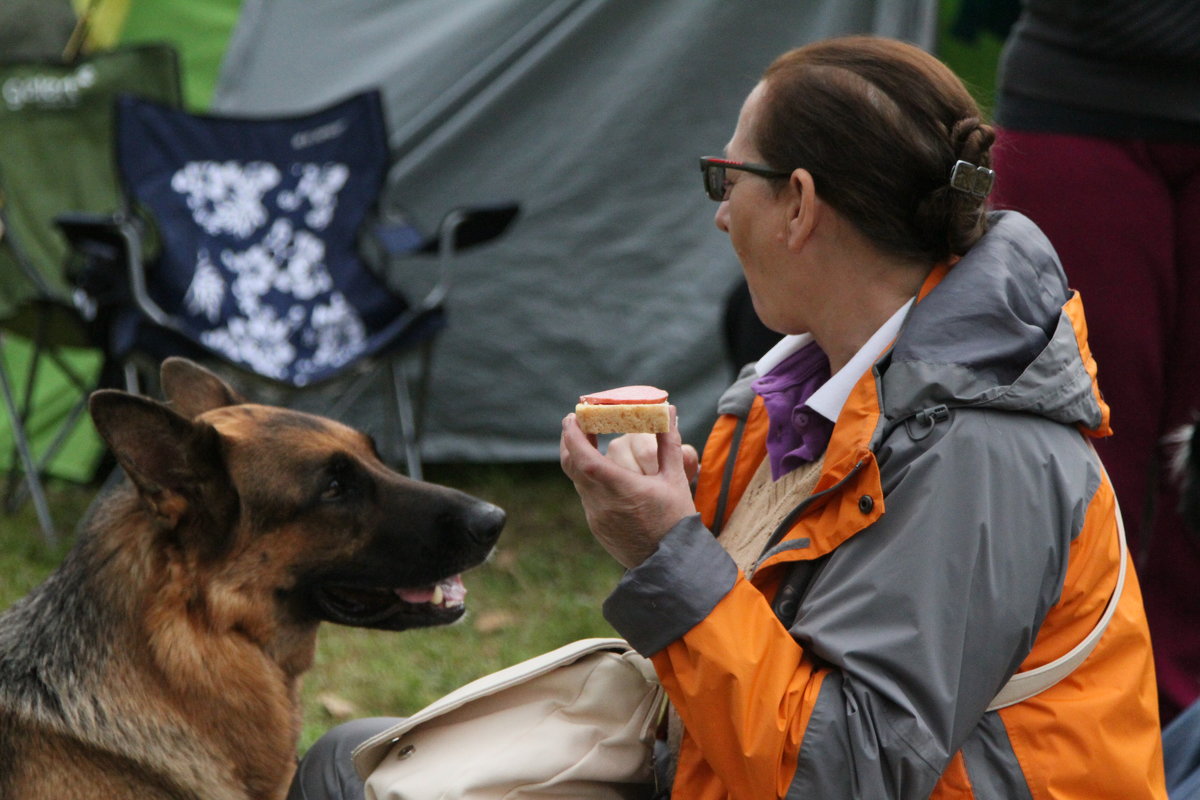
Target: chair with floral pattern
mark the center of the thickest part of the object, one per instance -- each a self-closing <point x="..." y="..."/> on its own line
<point x="242" y="244"/>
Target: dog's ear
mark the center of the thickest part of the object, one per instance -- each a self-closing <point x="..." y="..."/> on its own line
<point x="175" y="463"/>
<point x="192" y="389"/>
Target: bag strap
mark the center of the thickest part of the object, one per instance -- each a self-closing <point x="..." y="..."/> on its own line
<point x="1025" y="685"/>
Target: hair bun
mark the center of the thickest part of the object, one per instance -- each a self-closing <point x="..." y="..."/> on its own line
<point x="971" y="139"/>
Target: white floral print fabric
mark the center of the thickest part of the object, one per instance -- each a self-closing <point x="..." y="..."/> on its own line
<point x="267" y="288"/>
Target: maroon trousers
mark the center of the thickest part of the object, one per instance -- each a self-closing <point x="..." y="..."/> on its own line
<point x="1124" y="216"/>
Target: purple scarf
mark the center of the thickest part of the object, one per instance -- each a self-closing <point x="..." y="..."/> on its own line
<point x="797" y="435"/>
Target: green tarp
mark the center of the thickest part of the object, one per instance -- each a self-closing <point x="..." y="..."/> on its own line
<point x="199" y="31"/>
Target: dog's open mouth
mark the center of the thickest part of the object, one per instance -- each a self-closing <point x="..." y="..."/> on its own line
<point x="393" y="608"/>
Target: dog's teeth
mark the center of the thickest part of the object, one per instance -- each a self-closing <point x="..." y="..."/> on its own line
<point x="438" y="596"/>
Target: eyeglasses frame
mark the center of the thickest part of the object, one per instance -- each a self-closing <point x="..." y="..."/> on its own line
<point x="713" y="162"/>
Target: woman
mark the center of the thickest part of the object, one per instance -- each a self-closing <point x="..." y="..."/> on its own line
<point x="905" y="505"/>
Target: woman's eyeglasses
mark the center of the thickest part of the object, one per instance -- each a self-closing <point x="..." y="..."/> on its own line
<point x="715" y="185"/>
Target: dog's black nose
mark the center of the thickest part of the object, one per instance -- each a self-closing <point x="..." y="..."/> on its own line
<point x="484" y="522"/>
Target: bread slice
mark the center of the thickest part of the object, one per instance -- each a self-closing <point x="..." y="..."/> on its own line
<point x="623" y="418"/>
<point x="627" y="409"/>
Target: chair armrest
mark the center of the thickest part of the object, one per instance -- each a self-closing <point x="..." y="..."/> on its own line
<point x="111" y="242"/>
<point x="469" y="226"/>
<point x="461" y="228"/>
<point x="465" y="227"/>
<point x="398" y="237"/>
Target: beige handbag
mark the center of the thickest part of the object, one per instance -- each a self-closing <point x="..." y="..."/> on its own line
<point x="578" y="722"/>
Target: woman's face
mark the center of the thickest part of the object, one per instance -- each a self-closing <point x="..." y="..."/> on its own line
<point x="755" y="217"/>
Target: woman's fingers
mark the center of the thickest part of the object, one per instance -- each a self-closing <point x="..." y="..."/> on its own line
<point x="583" y="463"/>
<point x="574" y="448"/>
<point x="635" y="451"/>
<point x="670" y="449"/>
<point x="627" y="510"/>
<point x="644" y="448"/>
<point x="691" y="463"/>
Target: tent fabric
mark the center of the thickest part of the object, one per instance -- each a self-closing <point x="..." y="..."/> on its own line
<point x="591" y="114"/>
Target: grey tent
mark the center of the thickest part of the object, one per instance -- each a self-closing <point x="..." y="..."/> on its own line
<point x="591" y="114"/>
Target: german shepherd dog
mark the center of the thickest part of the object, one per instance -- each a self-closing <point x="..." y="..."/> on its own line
<point x="163" y="658"/>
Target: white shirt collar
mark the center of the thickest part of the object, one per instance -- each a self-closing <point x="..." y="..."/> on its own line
<point x="829" y="399"/>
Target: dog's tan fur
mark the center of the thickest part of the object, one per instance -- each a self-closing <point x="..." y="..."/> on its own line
<point x="164" y="657"/>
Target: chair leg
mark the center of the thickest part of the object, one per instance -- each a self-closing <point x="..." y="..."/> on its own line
<point x="349" y="396"/>
<point x="409" y="435"/>
<point x="28" y="464"/>
<point x="15" y="495"/>
<point x="421" y="396"/>
<point x="18" y="487"/>
<point x="20" y="416"/>
<point x="132" y="382"/>
<point x="65" y="428"/>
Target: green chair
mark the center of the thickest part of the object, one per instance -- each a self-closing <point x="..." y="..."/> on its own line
<point x="57" y="154"/>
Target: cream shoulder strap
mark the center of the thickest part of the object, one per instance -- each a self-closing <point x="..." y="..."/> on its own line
<point x="1024" y="685"/>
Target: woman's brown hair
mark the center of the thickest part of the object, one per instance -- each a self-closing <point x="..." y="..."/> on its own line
<point x="880" y="125"/>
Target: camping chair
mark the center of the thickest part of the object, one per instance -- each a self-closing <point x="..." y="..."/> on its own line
<point x="243" y="247"/>
<point x="56" y="153"/>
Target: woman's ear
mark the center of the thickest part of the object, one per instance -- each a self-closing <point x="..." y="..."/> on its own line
<point x="802" y="209"/>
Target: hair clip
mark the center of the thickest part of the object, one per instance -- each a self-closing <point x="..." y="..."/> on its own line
<point x="972" y="179"/>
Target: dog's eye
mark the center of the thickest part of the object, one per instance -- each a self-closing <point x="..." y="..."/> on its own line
<point x="334" y="490"/>
<point x="341" y="480"/>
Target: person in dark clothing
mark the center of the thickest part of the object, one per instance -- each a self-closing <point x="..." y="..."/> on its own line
<point x="1098" y="141"/>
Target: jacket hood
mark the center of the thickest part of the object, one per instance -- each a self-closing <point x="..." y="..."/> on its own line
<point x="1001" y="330"/>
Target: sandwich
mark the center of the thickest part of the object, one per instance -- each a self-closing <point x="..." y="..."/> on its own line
<point x="627" y="409"/>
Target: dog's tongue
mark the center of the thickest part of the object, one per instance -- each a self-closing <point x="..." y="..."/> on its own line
<point x="448" y="592"/>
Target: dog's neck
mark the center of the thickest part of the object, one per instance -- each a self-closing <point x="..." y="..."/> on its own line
<point x="206" y="652"/>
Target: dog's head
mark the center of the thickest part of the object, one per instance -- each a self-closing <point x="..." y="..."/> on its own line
<point x="293" y="509"/>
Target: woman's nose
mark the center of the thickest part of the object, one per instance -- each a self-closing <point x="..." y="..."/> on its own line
<point x="721" y="218"/>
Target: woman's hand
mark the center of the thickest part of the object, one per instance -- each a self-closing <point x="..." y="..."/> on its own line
<point x="639" y="452"/>
<point x="630" y="499"/>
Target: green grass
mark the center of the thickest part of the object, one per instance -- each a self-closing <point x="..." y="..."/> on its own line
<point x="542" y="588"/>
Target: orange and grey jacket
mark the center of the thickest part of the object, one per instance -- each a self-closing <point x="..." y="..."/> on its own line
<point x="961" y="530"/>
